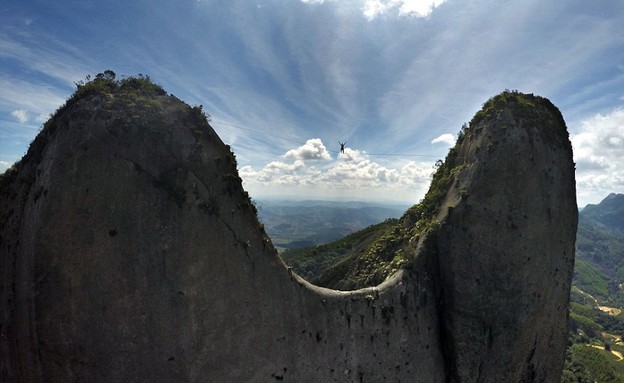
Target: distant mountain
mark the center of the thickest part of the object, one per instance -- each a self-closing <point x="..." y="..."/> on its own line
<point x="609" y="212"/>
<point x="597" y="297"/>
<point x="600" y="249"/>
<point x="297" y="224"/>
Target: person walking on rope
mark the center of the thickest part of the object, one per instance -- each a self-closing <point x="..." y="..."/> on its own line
<point x="342" y="146"/>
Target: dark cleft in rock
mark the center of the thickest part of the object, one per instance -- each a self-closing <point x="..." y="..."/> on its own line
<point x="130" y="252"/>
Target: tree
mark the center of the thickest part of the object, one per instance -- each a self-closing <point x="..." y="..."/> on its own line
<point x="108" y="75"/>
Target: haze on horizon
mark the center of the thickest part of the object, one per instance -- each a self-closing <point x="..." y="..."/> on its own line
<point x="285" y="81"/>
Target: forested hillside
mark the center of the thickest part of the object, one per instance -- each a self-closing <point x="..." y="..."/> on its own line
<point x="596" y="320"/>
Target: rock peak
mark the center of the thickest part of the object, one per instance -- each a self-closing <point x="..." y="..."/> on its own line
<point x="131" y="252"/>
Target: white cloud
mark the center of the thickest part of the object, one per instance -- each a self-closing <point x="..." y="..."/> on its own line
<point x="446" y="138"/>
<point x="280" y="170"/>
<point x="247" y="172"/>
<point x="277" y="166"/>
<point x="352" y="155"/>
<point x="4" y="165"/>
<point x="360" y="174"/>
<point x="599" y="156"/>
<point x="415" y="173"/>
<point x="417" y="8"/>
<point x="374" y="8"/>
<point x="313" y="149"/>
<point x="21" y="115"/>
<point x="277" y="172"/>
<point x="352" y="172"/>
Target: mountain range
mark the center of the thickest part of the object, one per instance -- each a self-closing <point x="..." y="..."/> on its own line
<point x="600" y="250"/>
<point x="296" y="224"/>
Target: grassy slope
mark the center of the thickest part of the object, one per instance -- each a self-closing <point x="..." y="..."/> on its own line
<point x="312" y="262"/>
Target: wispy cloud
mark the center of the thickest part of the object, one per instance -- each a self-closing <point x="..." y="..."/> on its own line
<point x="30" y="97"/>
<point x="21" y="115"/>
<point x="385" y="75"/>
<point x="24" y="106"/>
<point x="42" y="54"/>
<point x="465" y="56"/>
<point x="47" y="69"/>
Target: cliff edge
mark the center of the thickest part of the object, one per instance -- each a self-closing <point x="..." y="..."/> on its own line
<point x="130" y="252"/>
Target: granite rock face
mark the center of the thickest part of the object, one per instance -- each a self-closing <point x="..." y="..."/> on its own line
<point x="131" y="253"/>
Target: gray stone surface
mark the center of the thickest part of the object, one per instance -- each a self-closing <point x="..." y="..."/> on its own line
<point x="130" y="253"/>
<point x="507" y="252"/>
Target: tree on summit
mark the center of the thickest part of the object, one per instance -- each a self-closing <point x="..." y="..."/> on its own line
<point x="108" y="75"/>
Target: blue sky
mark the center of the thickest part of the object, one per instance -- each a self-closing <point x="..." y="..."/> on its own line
<point x="286" y="80"/>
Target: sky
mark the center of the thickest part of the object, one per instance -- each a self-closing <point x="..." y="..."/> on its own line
<point x="285" y="81"/>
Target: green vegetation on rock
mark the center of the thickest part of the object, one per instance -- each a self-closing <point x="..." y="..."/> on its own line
<point x="527" y="108"/>
<point x="307" y="262"/>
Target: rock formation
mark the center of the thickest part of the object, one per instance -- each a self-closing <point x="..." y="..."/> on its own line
<point x="131" y="253"/>
<point x="506" y="248"/>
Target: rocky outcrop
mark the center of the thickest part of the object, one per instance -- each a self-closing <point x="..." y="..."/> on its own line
<point x="506" y="244"/>
<point x="130" y="252"/>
